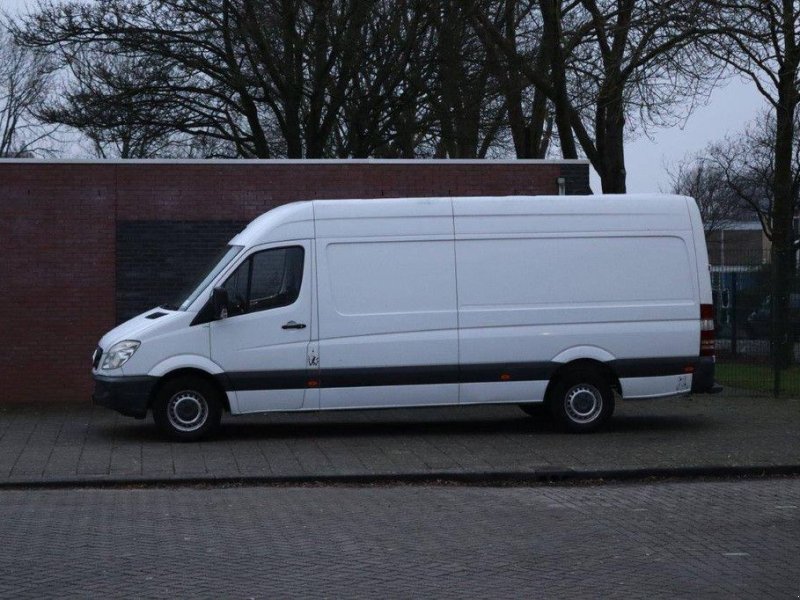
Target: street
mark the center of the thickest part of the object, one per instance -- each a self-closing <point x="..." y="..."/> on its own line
<point x="701" y="539"/>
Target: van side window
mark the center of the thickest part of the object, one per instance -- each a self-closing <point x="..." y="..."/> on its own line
<point x="268" y="279"/>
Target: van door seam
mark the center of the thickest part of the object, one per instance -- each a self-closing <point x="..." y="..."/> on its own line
<point x="458" y="306"/>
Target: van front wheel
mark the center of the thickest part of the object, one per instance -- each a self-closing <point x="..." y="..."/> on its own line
<point x="187" y="409"/>
<point x="582" y="401"/>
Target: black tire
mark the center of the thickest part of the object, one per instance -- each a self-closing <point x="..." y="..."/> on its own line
<point x="187" y="409"/>
<point x="581" y="400"/>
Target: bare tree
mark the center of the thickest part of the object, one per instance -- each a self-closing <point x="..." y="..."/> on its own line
<point x="302" y="78"/>
<point x="529" y="112"/>
<point x="746" y="161"/>
<point x="703" y="179"/>
<point x="107" y="99"/>
<point x="759" y="39"/>
<point x="268" y="77"/>
<point x="608" y="63"/>
<point x="92" y="41"/>
<point x="466" y="101"/>
<point x="24" y="80"/>
<point x="386" y="111"/>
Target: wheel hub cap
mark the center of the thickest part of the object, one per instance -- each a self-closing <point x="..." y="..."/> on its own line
<point x="187" y="411"/>
<point x="583" y="403"/>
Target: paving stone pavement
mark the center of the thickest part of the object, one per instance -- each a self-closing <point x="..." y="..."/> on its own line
<point x="698" y="539"/>
<point x="82" y="443"/>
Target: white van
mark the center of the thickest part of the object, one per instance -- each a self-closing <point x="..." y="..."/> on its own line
<point x="545" y="301"/>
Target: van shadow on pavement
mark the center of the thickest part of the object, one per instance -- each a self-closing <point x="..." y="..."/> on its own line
<point x="244" y="428"/>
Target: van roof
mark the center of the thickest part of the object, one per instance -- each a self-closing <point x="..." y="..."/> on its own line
<point x="650" y="209"/>
<point x="600" y="204"/>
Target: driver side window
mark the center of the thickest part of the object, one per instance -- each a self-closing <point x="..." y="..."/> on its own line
<point x="267" y="279"/>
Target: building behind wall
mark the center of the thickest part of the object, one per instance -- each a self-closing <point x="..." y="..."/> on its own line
<point x="88" y="244"/>
<point x="738" y="245"/>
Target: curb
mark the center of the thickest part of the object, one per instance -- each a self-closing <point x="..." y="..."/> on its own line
<point x="473" y="478"/>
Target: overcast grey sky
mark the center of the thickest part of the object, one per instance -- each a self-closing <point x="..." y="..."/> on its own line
<point x="728" y="109"/>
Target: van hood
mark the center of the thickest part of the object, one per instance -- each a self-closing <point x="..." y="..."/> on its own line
<point x="140" y="326"/>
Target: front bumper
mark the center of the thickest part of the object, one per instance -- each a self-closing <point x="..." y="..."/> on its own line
<point x="703" y="377"/>
<point x="129" y="396"/>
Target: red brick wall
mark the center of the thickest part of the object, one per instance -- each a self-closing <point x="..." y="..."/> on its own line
<point x="58" y="223"/>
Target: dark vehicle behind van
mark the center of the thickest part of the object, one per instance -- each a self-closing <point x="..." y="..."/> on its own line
<point x="758" y="322"/>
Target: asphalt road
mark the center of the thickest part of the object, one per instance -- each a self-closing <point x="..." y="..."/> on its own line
<point x="701" y="539"/>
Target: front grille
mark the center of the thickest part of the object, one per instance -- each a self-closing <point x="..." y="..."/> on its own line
<point x="98" y="354"/>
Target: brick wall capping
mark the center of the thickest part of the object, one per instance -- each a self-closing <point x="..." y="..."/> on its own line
<point x="297" y="161"/>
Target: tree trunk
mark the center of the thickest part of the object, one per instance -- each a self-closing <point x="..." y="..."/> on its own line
<point x="783" y="200"/>
<point x="782" y="231"/>
<point x="526" y="133"/>
<point x="609" y="133"/>
<point x="551" y="38"/>
<point x="292" y="131"/>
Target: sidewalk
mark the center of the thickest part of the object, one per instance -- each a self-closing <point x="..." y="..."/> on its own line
<point x="705" y="434"/>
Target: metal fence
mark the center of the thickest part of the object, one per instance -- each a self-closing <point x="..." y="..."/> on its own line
<point x="741" y="290"/>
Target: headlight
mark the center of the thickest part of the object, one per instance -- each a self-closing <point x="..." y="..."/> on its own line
<point x="119" y="354"/>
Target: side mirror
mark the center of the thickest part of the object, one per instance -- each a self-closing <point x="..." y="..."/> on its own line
<point x="219" y="302"/>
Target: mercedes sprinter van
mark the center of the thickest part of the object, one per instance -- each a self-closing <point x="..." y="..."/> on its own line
<point x="561" y="302"/>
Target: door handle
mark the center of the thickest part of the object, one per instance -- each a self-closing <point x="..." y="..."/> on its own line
<point x="293" y="325"/>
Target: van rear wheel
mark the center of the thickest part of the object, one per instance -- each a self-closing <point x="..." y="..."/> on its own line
<point x="582" y="401"/>
<point x="187" y="409"/>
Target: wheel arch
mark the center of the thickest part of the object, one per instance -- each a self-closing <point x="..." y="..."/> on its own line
<point x="602" y="367"/>
<point x="189" y="372"/>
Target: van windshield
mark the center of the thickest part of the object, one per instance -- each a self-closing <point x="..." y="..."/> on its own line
<point x="222" y="260"/>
